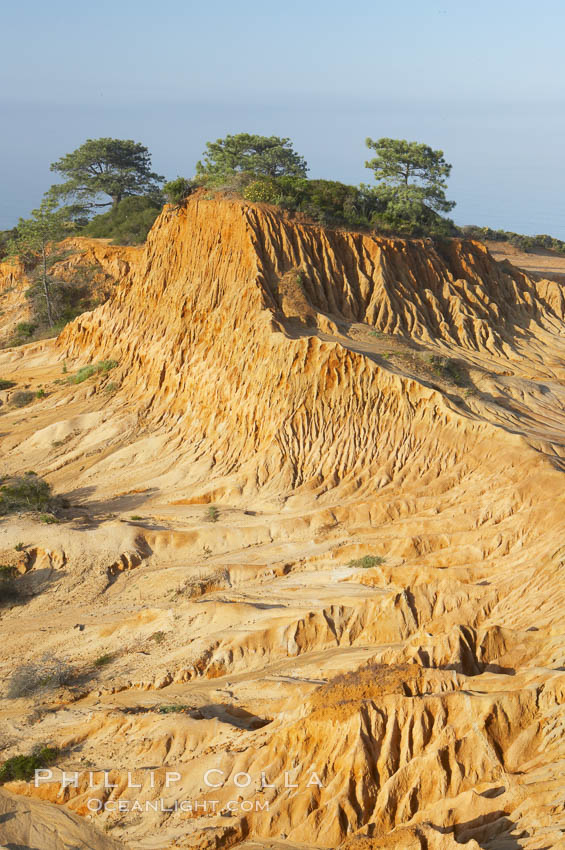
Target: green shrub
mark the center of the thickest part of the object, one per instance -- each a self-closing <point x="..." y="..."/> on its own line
<point x="329" y="202"/>
<point x="7" y="237"/>
<point x="29" y="493"/>
<point x="212" y="514"/>
<point x="111" y="387"/>
<point x="24" y="767"/>
<point x="176" y="191"/>
<point x="6" y="385"/>
<point x="40" y="394"/>
<point x="366" y="562"/>
<point x="326" y="201"/>
<point x="524" y="243"/>
<point x="22" y="398"/>
<point x="106" y="365"/>
<point x="262" y="191"/>
<point x="332" y="203"/>
<point x="20" y="547"/>
<point x="85" y="372"/>
<point x="25" y="330"/>
<point x="410" y="220"/>
<point x="232" y="183"/>
<point x="49" y="519"/>
<point x="128" y="223"/>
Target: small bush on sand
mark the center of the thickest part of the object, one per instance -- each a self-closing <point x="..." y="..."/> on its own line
<point x="212" y="514"/>
<point x="27" y="493"/>
<point x="85" y="372"/>
<point x="106" y="365"/>
<point x="49" y="519"/>
<point x="173" y="709"/>
<point x="48" y="673"/>
<point x="448" y="369"/>
<point x="24" y="767"/>
<point x="366" y="562"/>
<point x="158" y="637"/>
<point x="6" y="385"/>
<point x="22" y="398"/>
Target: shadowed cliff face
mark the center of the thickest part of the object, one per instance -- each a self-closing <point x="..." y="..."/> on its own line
<point x="336" y="396"/>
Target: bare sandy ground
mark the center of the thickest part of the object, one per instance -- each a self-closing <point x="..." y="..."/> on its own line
<point x="542" y="262"/>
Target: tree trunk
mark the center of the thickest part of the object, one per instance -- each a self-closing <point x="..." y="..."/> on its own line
<point x="46" y="287"/>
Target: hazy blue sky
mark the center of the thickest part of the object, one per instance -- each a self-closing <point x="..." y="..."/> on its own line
<point x="483" y="81"/>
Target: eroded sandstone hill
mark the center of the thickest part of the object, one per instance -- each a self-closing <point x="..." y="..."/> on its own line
<point x="234" y="326"/>
<point x="336" y="397"/>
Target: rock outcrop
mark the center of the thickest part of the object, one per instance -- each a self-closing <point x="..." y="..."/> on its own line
<point x="201" y="336"/>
